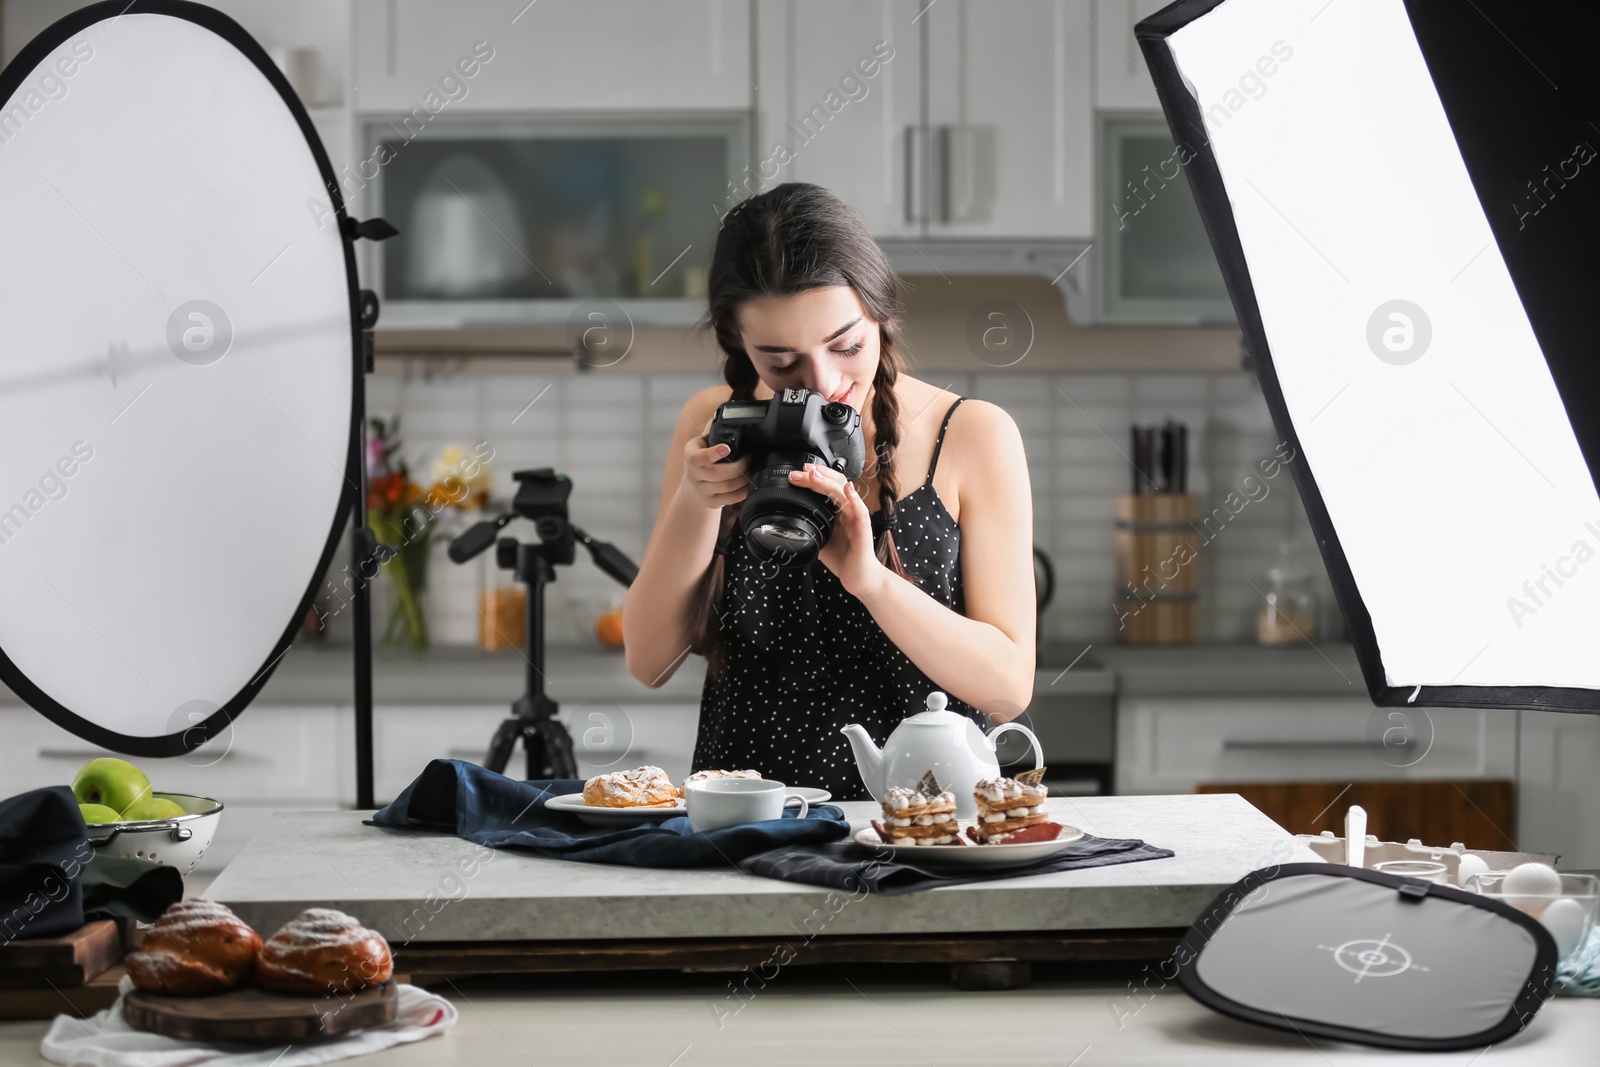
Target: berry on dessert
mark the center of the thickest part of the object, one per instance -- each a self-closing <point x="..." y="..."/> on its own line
<point x="642" y="787"/>
<point x="1006" y="805"/>
<point x="912" y="817"/>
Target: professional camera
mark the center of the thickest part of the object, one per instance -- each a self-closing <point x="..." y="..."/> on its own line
<point x="782" y="521"/>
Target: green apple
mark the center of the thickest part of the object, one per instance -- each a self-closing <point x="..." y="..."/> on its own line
<point x="153" y="807"/>
<point x="97" y="813"/>
<point x="116" y="783"/>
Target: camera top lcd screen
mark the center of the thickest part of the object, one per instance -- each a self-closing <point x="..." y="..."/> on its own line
<point x="744" y="411"/>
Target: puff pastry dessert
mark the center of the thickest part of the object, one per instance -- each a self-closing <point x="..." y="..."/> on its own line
<point x="642" y="787"/>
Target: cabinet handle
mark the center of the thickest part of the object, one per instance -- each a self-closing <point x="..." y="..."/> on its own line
<point x="911" y="173"/>
<point x="1274" y="745"/>
<point x="942" y="149"/>
<point x="91" y="753"/>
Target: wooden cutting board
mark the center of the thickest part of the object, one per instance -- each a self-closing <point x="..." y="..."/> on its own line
<point x="256" y="1014"/>
<point x="69" y="960"/>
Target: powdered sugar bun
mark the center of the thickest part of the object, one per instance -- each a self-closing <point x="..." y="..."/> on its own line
<point x="195" y="947"/>
<point x="323" y="951"/>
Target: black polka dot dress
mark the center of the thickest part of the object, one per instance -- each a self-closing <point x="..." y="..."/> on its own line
<point x="805" y="658"/>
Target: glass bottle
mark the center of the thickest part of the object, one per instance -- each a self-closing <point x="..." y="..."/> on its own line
<point x="1289" y="614"/>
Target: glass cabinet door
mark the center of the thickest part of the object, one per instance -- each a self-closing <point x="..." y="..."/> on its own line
<point x="1158" y="266"/>
<point x="507" y="220"/>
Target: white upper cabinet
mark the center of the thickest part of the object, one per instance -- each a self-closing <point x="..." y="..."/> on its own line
<point x="1122" y="82"/>
<point x="1010" y="112"/>
<point x="839" y="97"/>
<point x="552" y="55"/>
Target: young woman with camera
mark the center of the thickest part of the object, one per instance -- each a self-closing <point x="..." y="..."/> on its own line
<point x="927" y="580"/>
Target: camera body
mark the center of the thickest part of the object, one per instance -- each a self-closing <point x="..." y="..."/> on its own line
<point x="782" y="521"/>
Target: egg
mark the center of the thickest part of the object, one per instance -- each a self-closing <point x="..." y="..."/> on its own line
<point x="1566" y="921"/>
<point x="1530" y="885"/>
<point x="1469" y="866"/>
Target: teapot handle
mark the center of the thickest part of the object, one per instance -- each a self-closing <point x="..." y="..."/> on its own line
<point x="1038" y="749"/>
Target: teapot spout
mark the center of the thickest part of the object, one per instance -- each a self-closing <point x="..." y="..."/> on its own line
<point x="869" y="758"/>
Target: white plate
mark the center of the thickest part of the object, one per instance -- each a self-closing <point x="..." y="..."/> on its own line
<point x="969" y="854"/>
<point x="597" y="816"/>
<point x="812" y="794"/>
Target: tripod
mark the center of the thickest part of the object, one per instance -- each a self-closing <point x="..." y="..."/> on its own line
<point x="541" y="496"/>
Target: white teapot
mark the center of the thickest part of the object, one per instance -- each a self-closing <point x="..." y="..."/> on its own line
<point x="950" y="745"/>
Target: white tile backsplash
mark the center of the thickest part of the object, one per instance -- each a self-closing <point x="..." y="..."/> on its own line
<point x="610" y="435"/>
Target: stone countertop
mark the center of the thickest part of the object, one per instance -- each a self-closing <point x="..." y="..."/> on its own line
<point x="414" y="885"/>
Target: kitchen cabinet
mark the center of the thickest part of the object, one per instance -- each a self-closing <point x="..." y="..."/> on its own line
<point x="1121" y="77"/>
<point x="1173" y="744"/>
<point x="979" y="126"/>
<point x="1558" y="810"/>
<point x="838" y="103"/>
<point x="635" y="55"/>
<point x="1006" y="149"/>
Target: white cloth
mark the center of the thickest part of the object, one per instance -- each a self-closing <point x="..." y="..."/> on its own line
<point x="105" y="1040"/>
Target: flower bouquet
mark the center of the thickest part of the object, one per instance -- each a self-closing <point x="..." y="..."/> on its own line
<point x="405" y="518"/>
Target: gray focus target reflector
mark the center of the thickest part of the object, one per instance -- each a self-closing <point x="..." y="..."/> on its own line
<point x="177" y="367"/>
<point x="1356" y="955"/>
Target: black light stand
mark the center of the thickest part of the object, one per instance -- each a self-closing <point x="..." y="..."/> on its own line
<point x="541" y="496"/>
<point x="364" y="560"/>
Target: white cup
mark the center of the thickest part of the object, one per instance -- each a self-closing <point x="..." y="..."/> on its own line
<point x="713" y="803"/>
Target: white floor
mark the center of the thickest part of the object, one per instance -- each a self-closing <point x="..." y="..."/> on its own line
<point x="842" y="1018"/>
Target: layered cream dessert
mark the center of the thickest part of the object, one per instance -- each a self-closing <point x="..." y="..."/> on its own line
<point x="913" y="817"/>
<point x="1005" y="806"/>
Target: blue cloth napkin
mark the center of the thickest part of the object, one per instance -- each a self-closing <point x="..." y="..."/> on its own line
<point x="1579" y="974"/>
<point x="452" y="796"/>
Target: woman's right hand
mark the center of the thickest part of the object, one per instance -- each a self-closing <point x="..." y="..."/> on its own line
<point x="709" y="482"/>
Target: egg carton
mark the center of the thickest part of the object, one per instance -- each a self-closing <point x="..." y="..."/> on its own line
<point x="1331" y="848"/>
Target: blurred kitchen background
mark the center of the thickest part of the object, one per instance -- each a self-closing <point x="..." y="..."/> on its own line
<point x="557" y="171"/>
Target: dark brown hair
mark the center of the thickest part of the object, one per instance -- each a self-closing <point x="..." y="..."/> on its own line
<point x="791" y="238"/>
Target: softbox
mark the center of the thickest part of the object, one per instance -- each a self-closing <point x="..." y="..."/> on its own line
<point x="1341" y="952"/>
<point x="1404" y="199"/>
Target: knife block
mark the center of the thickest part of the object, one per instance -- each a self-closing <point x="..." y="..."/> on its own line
<point x="1158" y="569"/>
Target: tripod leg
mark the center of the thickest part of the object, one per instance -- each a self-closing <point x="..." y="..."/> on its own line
<point x="500" y="747"/>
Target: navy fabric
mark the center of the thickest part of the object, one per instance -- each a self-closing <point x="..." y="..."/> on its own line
<point x="853" y="866"/>
<point x="452" y="796"/>
<point x="43" y="847"/>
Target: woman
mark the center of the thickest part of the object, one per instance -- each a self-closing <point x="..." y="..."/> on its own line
<point x="921" y="590"/>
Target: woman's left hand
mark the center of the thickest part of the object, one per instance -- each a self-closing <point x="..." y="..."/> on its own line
<point x="849" y="553"/>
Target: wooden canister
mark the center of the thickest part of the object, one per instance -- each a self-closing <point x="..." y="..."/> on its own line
<point x="503" y="617"/>
<point x="1158" y="569"/>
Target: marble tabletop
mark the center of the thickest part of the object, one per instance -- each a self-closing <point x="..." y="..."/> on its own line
<point x="420" y="886"/>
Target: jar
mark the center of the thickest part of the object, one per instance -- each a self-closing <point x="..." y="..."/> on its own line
<point x="503" y="617"/>
<point x="1289" y="614"/>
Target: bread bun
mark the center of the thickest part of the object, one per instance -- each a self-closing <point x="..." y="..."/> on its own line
<point x="195" y="947"/>
<point x="641" y="787"/>
<point x="322" y="951"/>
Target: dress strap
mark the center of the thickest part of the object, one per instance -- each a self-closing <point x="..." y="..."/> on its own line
<point x="938" y="442"/>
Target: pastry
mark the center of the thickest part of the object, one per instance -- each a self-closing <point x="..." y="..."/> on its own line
<point x="1006" y="805"/>
<point x="323" y="951"/>
<point x="639" y="788"/>
<point x="914" y="817"/>
<point x="700" y="776"/>
<point x="195" y="947"/>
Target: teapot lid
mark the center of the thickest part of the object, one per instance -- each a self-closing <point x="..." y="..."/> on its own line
<point x="935" y="711"/>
